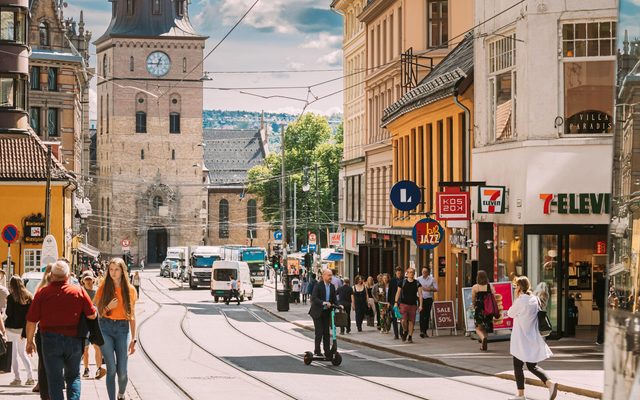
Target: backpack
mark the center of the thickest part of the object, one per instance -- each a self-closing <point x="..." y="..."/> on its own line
<point x="490" y="305"/>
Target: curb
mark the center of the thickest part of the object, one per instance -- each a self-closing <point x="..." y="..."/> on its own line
<point x="529" y="381"/>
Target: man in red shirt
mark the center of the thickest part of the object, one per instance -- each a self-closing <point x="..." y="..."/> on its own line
<point x="57" y="307"/>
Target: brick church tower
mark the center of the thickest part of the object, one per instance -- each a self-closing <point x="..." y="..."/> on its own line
<point x="149" y="134"/>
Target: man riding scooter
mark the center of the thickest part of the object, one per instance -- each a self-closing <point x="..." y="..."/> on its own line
<point x="323" y="298"/>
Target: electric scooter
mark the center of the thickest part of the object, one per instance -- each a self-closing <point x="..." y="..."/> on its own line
<point x="333" y="356"/>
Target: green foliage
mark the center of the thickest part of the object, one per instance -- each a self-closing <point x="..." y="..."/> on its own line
<point x="307" y="142"/>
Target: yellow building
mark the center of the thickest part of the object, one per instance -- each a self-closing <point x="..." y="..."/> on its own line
<point x="23" y="175"/>
<point x="431" y="140"/>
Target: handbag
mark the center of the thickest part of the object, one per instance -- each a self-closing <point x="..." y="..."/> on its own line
<point x="5" y="358"/>
<point x="490" y="304"/>
<point x="340" y="319"/>
<point x="3" y="345"/>
<point x="397" y="313"/>
<point x="544" y="323"/>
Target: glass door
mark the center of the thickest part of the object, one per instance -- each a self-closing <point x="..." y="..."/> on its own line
<point x="545" y="260"/>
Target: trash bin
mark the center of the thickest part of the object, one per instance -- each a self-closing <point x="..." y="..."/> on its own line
<point x="282" y="299"/>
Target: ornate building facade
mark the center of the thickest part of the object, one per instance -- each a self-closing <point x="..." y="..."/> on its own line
<point x="149" y="133"/>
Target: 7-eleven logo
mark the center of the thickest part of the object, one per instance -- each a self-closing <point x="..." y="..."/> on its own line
<point x="491" y="200"/>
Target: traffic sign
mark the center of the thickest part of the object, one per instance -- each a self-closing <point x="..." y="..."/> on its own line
<point x="428" y="233"/>
<point x="10" y="233"/>
<point x="453" y="205"/>
<point x="405" y="195"/>
<point x="125" y="242"/>
<point x="277" y="236"/>
<point x="313" y="247"/>
<point x="312" y="238"/>
<point x="304" y="249"/>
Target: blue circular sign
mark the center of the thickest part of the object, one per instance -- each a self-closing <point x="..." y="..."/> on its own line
<point x="10" y="233"/>
<point x="428" y="233"/>
<point x="277" y="235"/>
<point x="405" y="195"/>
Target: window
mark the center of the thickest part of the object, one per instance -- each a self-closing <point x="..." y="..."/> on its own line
<point x="12" y="92"/>
<point x="107" y="113"/>
<point x="34" y="77"/>
<point x="174" y="122"/>
<point x="34" y="119"/>
<point x="108" y="219"/>
<point x="43" y="31"/>
<point x="52" y="79"/>
<point x="223" y="219"/>
<point x="502" y="87"/>
<point x="438" y="22"/>
<point x="13" y="27"/>
<point x="588" y="97"/>
<point x="53" y="129"/>
<point x="32" y="260"/>
<point x="589" y="39"/>
<point x="155" y="7"/>
<point x="184" y="64"/>
<point x="130" y="7"/>
<point x="252" y="219"/>
<point x="131" y="64"/>
<point x="105" y="66"/>
<point x="173" y="154"/>
<point x="102" y="220"/>
<point x="142" y="154"/>
<point x="141" y="122"/>
<point x="354" y="200"/>
<point x="157" y="203"/>
<point x="180" y="8"/>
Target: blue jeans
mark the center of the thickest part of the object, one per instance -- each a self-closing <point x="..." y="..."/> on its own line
<point x="62" y="355"/>
<point x="115" y="352"/>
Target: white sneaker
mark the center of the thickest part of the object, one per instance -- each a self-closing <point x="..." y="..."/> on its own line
<point x="16" y="382"/>
<point x="29" y="382"/>
<point x="553" y="391"/>
<point x="517" y="398"/>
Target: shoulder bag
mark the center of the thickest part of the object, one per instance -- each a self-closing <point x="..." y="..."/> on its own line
<point x="544" y="323"/>
<point x="490" y="305"/>
<point x="5" y="355"/>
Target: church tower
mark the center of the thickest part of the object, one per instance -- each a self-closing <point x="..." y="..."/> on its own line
<point x="151" y="181"/>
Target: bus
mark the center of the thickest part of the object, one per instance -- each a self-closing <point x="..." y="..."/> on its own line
<point x="254" y="256"/>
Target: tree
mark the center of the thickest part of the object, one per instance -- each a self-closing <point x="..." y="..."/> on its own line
<point x="307" y="141"/>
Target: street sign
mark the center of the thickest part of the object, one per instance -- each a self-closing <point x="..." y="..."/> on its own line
<point x="312" y="238"/>
<point x="313" y="247"/>
<point x="444" y="316"/>
<point x="453" y="205"/>
<point x="491" y="199"/>
<point x="10" y="233"/>
<point x="125" y="243"/>
<point x="405" y="195"/>
<point x="277" y="236"/>
<point x="304" y="249"/>
<point x="335" y="239"/>
<point x="428" y="233"/>
<point x="49" y="252"/>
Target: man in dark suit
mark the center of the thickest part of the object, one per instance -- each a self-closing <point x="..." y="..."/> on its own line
<point x="322" y="298"/>
<point x="394" y="283"/>
<point x="599" y="295"/>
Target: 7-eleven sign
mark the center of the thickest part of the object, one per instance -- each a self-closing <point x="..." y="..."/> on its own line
<point x="491" y="199"/>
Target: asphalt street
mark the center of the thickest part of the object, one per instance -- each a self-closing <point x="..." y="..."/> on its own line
<point x="200" y="349"/>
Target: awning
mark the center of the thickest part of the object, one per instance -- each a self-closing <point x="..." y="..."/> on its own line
<point x="334" y="257"/>
<point x="89" y="250"/>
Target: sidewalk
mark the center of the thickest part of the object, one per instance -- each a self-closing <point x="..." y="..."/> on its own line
<point x="577" y="365"/>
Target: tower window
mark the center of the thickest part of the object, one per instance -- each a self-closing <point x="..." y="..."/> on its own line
<point x="104" y="66"/>
<point x="131" y="65"/>
<point x="43" y="30"/>
<point x="141" y="122"/>
<point x="184" y="64"/>
<point x="155" y="7"/>
<point x="157" y="203"/>
<point x="180" y="8"/>
<point x="129" y="7"/>
<point x="252" y="219"/>
<point x="223" y="219"/>
<point x="174" y="122"/>
<point x="173" y="154"/>
<point x="142" y="154"/>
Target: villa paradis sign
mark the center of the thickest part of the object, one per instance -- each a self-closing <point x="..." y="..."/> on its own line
<point x="589" y="121"/>
<point x="576" y="203"/>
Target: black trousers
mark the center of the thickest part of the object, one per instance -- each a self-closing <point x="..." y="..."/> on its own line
<point x="600" y="338"/>
<point x="43" y="383"/>
<point x="347" y="309"/>
<point x="361" y="309"/>
<point x="322" y="326"/>
<point x="533" y="367"/>
<point x="425" y="314"/>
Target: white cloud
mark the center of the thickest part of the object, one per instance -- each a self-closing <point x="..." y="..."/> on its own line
<point x="323" y="40"/>
<point x="265" y="15"/>
<point x="295" y="66"/>
<point x="333" y="59"/>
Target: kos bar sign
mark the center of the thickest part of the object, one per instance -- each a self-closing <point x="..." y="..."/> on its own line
<point x="491" y="199"/>
<point x="576" y="203"/>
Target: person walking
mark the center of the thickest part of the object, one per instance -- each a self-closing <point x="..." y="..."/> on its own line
<point x="375" y="292"/>
<point x="345" y="299"/>
<point x="88" y="282"/>
<point x="322" y="298"/>
<point x="42" y="387"/>
<point x="18" y="304"/>
<point x="371" y="304"/>
<point x="394" y="284"/>
<point x="360" y="302"/>
<point x="381" y="290"/>
<point x="57" y="308"/>
<point x="4" y="293"/>
<point x="304" y="288"/>
<point x="233" y="292"/>
<point x="116" y="300"/>
<point x="295" y="289"/>
<point x="429" y="286"/>
<point x="135" y="281"/>
<point x="527" y="346"/>
<point x="409" y="299"/>
<point x="484" y="322"/>
<point x="599" y="294"/>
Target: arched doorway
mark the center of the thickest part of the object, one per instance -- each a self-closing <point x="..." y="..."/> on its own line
<point x="157" y="240"/>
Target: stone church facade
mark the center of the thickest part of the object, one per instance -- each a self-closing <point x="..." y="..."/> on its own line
<point x="151" y="178"/>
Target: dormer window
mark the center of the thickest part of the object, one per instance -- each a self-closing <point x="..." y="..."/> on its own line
<point x="155" y="7"/>
<point x="180" y="8"/>
<point x="129" y="7"/>
<point x="43" y="30"/>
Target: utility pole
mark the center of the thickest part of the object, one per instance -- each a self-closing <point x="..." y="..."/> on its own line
<point x="318" y="216"/>
<point x="295" y="215"/>
<point x="283" y="206"/>
<point x="47" y="201"/>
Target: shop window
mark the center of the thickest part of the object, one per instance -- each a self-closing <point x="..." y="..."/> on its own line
<point x="32" y="260"/>
<point x="588" y="97"/>
<point x="509" y="246"/>
<point x="34" y="119"/>
<point x="174" y="122"/>
<point x="43" y="31"/>
<point x="52" y="82"/>
<point x="34" y="77"/>
<point x="252" y="218"/>
<point x="438" y="23"/>
<point x="589" y="39"/>
<point x="53" y="130"/>
<point x="141" y="122"/>
<point x="223" y="219"/>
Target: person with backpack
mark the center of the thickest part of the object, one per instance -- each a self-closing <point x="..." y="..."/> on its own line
<point x="483" y="317"/>
<point x="409" y="300"/>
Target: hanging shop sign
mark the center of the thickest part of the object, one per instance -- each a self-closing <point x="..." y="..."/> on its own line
<point x="34" y="227"/>
<point x="589" y="121"/>
<point x="576" y="203"/>
<point x="405" y="195"/>
<point x="428" y="233"/>
<point x="335" y="239"/>
<point x="453" y="205"/>
<point x="491" y="199"/>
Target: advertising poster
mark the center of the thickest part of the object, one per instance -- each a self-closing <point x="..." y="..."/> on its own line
<point x="504" y="298"/>
<point x="469" y="322"/>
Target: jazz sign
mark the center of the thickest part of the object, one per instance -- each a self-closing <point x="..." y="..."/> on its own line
<point x="428" y="233"/>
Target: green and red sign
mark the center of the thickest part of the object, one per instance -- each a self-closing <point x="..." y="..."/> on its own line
<point x="576" y="203"/>
<point x="428" y="233"/>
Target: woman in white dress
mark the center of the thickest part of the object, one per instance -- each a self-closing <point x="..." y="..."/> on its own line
<point x="527" y="346"/>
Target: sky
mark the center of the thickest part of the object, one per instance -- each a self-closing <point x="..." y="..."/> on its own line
<point x="629" y="19"/>
<point x="277" y="35"/>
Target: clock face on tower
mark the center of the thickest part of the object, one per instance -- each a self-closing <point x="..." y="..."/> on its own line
<point x="158" y="63"/>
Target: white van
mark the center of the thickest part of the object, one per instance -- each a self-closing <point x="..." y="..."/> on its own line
<point x="221" y="281"/>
